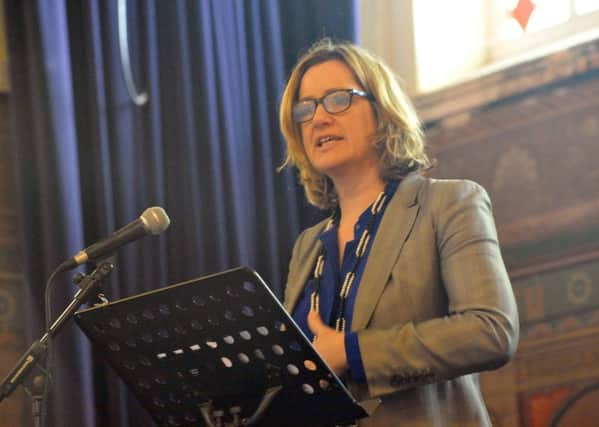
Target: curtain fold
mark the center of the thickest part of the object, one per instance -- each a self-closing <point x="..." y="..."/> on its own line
<point x="205" y="147"/>
<point x="49" y="193"/>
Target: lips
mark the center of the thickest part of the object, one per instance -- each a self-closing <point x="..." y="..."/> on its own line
<point x="322" y="141"/>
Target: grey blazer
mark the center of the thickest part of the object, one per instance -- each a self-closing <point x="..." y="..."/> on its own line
<point x="435" y="305"/>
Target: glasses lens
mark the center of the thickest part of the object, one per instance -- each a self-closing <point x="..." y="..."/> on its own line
<point x="336" y="102"/>
<point x="303" y="111"/>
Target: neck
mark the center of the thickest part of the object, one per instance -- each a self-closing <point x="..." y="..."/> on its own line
<point x="357" y="193"/>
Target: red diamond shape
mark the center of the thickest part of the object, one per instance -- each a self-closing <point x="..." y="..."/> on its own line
<point x="522" y="12"/>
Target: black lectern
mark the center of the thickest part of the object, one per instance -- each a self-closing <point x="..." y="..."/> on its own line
<point x="219" y="350"/>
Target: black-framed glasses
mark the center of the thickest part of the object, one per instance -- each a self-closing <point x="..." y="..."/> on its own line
<point x="334" y="102"/>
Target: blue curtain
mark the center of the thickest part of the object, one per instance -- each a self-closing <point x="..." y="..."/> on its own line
<point x="306" y="21"/>
<point x="205" y="147"/>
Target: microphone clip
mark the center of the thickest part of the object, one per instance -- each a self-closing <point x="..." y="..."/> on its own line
<point x="90" y="287"/>
<point x="80" y="279"/>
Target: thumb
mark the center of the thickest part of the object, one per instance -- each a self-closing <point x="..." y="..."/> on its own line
<point x="315" y="322"/>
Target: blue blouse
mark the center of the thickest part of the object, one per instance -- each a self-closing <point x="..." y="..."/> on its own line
<point x="332" y="278"/>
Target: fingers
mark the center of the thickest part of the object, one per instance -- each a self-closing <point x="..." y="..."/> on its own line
<point x="315" y="323"/>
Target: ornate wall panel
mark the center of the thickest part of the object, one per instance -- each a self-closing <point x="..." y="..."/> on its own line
<point x="13" y="410"/>
<point x="530" y="135"/>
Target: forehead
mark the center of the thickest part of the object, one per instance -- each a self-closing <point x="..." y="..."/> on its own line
<point x="319" y="78"/>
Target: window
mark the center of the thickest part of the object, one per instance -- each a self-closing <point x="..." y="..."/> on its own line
<point x="433" y="43"/>
<point x="551" y="21"/>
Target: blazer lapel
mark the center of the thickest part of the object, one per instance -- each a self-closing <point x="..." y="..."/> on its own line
<point x="394" y="230"/>
<point x="306" y="266"/>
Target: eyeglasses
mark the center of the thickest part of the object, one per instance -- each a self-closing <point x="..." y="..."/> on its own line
<point x="334" y="103"/>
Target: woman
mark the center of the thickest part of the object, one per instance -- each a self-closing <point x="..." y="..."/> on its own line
<point x="403" y="289"/>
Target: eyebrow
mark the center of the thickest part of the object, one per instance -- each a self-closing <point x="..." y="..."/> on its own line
<point x="331" y="90"/>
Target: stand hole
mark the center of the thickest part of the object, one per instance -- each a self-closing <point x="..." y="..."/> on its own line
<point x="173" y="421"/>
<point x="247" y="311"/>
<point x="129" y="365"/>
<point x="259" y="354"/>
<point x="229" y="339"/>
<point x="243" y="358"/>
<point x="172" y="397"/>
<point x="278" y="350"/>
<point x="324" y="384"/>
<point x="180" y="306"/>
<point x="190" y="417"/>
<point x="144" y="384"/>
<point x="309" y="365"/>
<point x="292" y="369"/>
<point x="148" y="314"/>
<point x="213" y="321"/>
<point x="262" y="330"/>
<point x="199" y="301"/>
<point x="307" y="388"/>
<point x="180" y="330"/>
<point x="160" y="380"/>
<point x="212" y="344"/>
<point x="280" y="326"/>
<point x="215" y="298"/>
<point x="245" y="335"/>
<point x="265" y="308"/>
<point x="231" y="292"/>
<point x="145" y="361"/>
<point x="197" y="326"/>
<point x="249" y="287"/>
<point x="99" y="329"/>
<point x="227" y="362"/>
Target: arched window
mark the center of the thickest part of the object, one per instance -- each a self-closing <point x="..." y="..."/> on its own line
<point x="550" y="22"/>
<point x="433" y="44"/>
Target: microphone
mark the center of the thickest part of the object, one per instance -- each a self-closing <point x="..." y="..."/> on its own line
<point x="153" y="220"/>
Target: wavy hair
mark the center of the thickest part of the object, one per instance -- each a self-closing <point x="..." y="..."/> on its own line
<point x="398" y="137"/>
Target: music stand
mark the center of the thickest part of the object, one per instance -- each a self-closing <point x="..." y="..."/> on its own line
<point x="219" y="350"/>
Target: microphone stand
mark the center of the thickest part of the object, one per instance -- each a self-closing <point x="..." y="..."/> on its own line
<point x="36" y="353"/>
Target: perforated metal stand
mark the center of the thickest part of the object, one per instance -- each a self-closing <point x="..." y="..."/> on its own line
<point x="218" y="351"/>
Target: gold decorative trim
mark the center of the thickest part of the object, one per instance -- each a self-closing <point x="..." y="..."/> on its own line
<point x="4" y="80"/>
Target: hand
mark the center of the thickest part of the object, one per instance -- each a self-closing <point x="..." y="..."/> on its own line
<point x="329" y="343"/>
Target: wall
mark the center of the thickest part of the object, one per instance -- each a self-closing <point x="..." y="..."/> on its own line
<point x="530" y="135"/>
<point x="12" y="283"/>
<point x="15" y="410"/>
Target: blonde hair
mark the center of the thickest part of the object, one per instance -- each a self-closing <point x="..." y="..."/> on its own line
<point x="398" y="137"/>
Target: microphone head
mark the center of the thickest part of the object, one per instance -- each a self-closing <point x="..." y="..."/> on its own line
<point x="155" y="220"/>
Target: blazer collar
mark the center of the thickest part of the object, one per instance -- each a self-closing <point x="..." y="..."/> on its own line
<point x="395" y="226"/>
<point x="390" y="238"/>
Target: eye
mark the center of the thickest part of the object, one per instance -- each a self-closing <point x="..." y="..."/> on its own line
<point x="302" y="110"/>
<point x="303" y="105"/>
<point x="338" y="99"/>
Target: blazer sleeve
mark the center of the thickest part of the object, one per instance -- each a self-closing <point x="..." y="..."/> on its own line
<point x="480" y="329"/>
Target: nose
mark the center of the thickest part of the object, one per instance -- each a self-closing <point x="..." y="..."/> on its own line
<point x="321" y="116"/>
